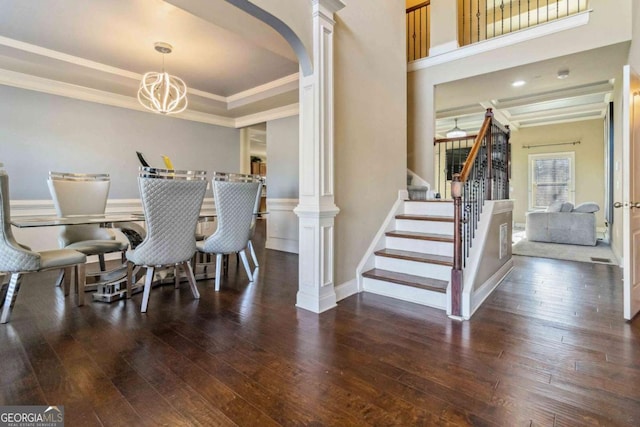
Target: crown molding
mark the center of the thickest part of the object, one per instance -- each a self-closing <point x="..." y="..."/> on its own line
<point x="232" y="101"/>
<point x="266" y="90"/>
<point x="265" y="116"/>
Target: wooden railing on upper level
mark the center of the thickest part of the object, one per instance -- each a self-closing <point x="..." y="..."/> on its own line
<point x="480" y="20"/>
<point x="484" y="176"/>
<point x="484" y="19"/>
<point x="418" y="39"/>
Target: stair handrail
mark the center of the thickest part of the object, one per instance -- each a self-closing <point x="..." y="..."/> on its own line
<point x="484" y="176"/>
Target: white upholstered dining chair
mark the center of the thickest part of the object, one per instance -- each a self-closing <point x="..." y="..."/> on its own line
<point x="235" y="199"/>
<point x="171" y="201"/>
<point x="84" y="194"/>
<point x="18" y="259"/>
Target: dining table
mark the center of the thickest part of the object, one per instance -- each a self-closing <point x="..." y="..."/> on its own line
<point x="111" y="285"/>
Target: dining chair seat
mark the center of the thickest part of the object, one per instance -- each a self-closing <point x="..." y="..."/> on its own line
<point x="96" y="247"/>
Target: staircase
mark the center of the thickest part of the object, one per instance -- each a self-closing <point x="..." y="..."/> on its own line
<point x="415" y="264"/>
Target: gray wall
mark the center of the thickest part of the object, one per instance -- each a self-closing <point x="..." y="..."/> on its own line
<point x="41" y="132"/>
<point x="282" y="158"/>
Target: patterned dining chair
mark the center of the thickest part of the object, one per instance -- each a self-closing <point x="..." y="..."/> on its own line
<point x="171" y="201"/>
<point x="84" y="194"/>
<point x="18" y="259"/>
<point x="235" y="199"/>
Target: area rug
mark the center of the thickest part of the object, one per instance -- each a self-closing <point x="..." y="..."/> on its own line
<point x="601" y="253"/>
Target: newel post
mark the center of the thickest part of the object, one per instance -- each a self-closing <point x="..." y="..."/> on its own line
<point x="456" y="271"/>
<point x="489" y="140"/>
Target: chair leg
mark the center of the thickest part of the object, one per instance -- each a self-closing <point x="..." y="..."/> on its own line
<point x="186" y="266"/>
<point x="245" y="262"/>
<point x="129" y="279"/>
<point x="60" y="279"/>
<point x="176" y="277"/>
<point x="253" y="254"/>
<point x="81" y="281"/>
<point x="147" y="289"/>
<point x="194" y="261"/>
<point x="67" y="274"/>
<point x="218" y="270"/>
<point x="12" y="293"/>
<point x="103" y="265"/>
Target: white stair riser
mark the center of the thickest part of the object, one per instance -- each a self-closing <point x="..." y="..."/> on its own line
<point x="417" y="245"/>
<point x="429" y="208"/>
<point x="423" y="269"/>
<point x="405" y="293"/>
<point x="433" y="227"/>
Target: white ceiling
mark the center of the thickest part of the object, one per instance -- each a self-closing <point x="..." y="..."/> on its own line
<point x="543" y="100"/>
<point x="241" y="72"/>
<point x="233" y="64"/>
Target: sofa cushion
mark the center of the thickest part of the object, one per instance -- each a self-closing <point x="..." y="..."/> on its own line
<point x="587" y="207"/>
<point x="555" y="206"/>
<point x="566" y="207"/>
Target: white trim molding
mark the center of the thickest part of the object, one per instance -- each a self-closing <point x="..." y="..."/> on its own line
<point x="282" y="225"/>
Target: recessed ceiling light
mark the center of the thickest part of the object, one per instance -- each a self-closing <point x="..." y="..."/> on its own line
<point x="518" y="83"/>
<point x="563" y="74"/>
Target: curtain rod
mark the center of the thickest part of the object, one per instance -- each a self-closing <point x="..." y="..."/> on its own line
<point x="549" y="145"/>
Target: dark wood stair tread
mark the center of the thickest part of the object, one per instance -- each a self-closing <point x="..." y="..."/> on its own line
<point x="420" y="236"/>
<point x="420" y="282"/>
<point x="425" y="218"/>
<point x="416" y="256"/>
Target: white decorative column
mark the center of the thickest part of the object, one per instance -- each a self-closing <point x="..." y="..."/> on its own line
<point x="316" y="209"/>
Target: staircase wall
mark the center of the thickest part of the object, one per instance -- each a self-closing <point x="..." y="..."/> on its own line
<point x="490" y="258"/>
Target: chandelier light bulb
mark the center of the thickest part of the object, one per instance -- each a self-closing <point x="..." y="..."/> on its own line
<point x="161" y="92"/>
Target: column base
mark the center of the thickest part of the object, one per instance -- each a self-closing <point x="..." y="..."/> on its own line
<point x="314" y="304"/>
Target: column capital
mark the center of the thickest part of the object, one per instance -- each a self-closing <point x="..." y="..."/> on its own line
<point x="327" y="6"/>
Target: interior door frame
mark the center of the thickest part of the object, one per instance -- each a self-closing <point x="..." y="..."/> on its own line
<point x="630" y="186"/>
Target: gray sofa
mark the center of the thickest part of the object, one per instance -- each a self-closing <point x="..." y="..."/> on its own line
<point x="574" y="226"/>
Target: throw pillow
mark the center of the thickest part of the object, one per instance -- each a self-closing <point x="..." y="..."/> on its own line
<point x="566" y="207"/>
<point x="587" y="207"/>
<point x="555" y="206"/>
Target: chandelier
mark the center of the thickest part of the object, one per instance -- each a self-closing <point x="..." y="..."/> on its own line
<point x="456" y="132"/>
<point x="161" y="92"/>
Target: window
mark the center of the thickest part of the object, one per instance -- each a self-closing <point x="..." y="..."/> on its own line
<point x="551" y="178"/>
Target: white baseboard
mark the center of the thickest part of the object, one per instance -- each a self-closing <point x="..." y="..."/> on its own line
<point x="346" y="289"/>
<point x="481" y="294"/>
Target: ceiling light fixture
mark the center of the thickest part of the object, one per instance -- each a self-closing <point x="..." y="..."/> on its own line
<point x="456" y="132"/>
<point x="563" y="74"/>
<point x="518" y="83"/>
<point x="161" y="92"/>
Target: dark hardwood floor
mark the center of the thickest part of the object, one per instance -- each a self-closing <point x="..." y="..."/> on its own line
<point x="549" y="348"/>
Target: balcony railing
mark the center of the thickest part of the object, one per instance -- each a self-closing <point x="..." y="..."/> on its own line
<point x="418" y="39"/>
<point x="484" y="19"/>
<point x="480" y="20"/>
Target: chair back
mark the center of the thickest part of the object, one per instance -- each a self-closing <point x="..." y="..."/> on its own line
<point x="80" y="194"/>
<point x="171" y="201"/>
<point x="13" y="256"/>
<point x="235" y="200"/>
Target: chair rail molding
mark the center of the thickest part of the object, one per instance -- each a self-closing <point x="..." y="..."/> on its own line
<point x="316" y="209"/>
